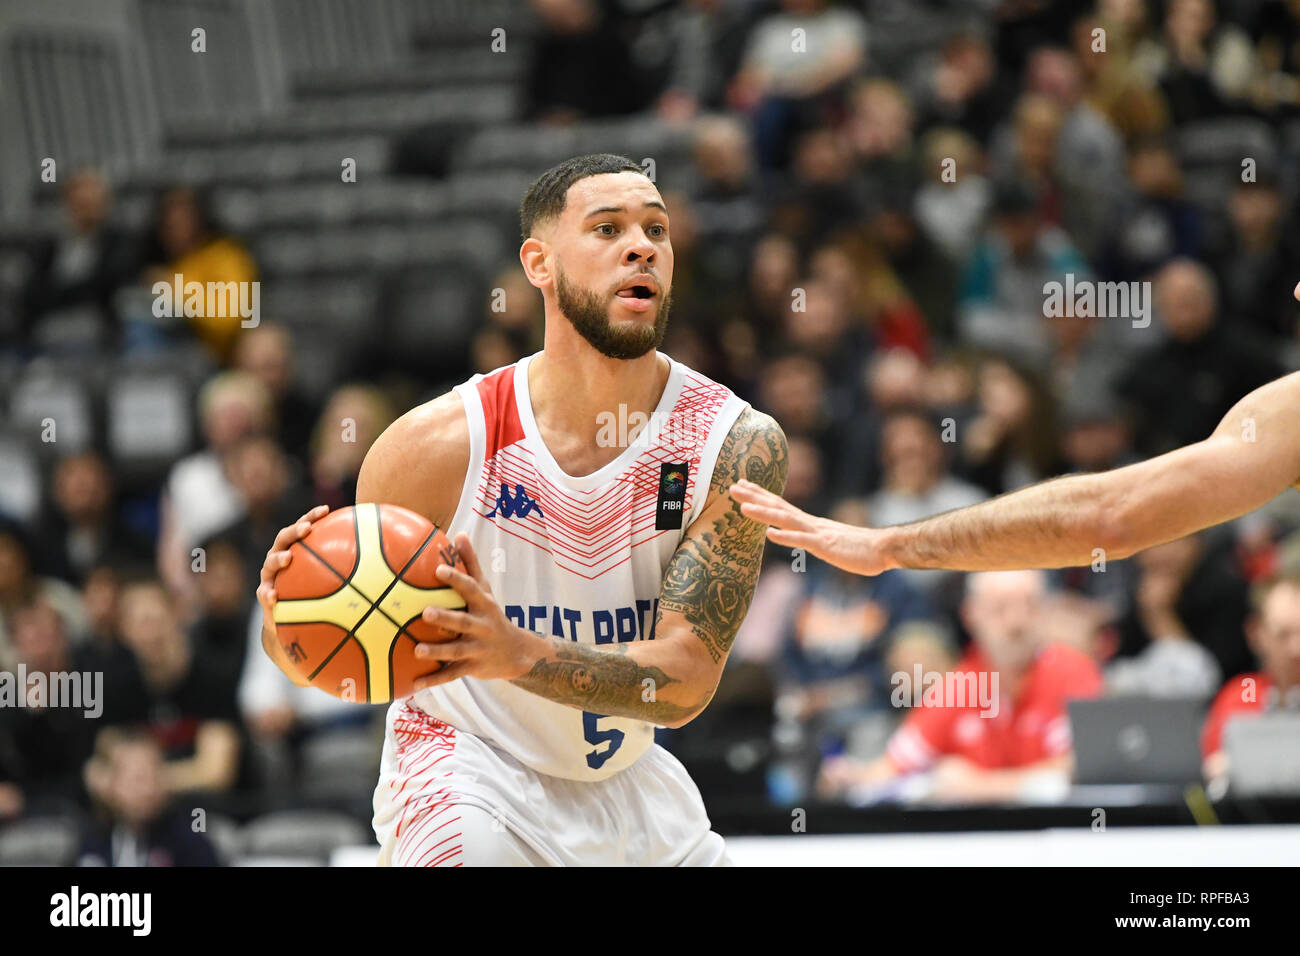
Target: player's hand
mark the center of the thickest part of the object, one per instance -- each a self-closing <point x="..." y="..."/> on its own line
<point x="277" y="559"/>
<point x="490" y="646"/>
<point x="843" y="545"/>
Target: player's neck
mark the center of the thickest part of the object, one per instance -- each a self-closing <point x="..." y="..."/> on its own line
<point x="573" y="387"/>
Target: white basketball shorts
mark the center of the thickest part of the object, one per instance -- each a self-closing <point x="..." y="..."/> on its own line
<point x="449" y="798"/>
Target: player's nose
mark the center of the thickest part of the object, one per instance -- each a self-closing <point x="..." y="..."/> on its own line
<point x="639" y="249"/>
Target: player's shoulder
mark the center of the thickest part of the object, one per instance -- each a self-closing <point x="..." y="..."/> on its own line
<point x="420" y="460"/>
<point x="755" y="449"/>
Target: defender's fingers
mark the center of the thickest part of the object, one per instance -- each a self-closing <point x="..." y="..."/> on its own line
<point x="794" y="539"/>
<point x="779" y="517"/>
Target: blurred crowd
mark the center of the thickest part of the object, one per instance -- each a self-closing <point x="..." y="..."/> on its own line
<point x="877" y="195"/>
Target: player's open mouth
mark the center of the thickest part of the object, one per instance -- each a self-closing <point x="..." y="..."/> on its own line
<point x="640" y="292"/>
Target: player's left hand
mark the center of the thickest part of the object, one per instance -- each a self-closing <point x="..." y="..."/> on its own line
<point x="489" y="646"/>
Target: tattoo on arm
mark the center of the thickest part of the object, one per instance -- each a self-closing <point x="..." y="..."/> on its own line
<point x="602" y="679"/>
<point x="710" y="580"/>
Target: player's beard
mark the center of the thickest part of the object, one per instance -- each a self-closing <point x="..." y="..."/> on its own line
<point x="589" y="314"/>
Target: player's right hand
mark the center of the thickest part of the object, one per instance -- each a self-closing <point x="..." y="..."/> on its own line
<point x="277" y="559"/>
<point x="843" y="545"/>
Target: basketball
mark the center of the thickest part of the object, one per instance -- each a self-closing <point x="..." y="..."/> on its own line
<point x="349" y="604"/>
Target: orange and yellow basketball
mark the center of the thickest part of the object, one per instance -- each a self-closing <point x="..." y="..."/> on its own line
<point x="348" y="606"/>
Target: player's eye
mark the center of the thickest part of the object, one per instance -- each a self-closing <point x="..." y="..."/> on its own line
<point x="606" y="229"/>
<point x="658" y="230"/>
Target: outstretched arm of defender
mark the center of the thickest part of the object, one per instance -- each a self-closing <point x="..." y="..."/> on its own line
<point x="707" y="588"/>
<point x="1252" y="456"/>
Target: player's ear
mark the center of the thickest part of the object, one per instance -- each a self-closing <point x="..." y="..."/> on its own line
<point x="537" y="267"/>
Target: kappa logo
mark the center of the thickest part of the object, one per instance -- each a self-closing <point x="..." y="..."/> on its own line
<point x="518" y="506"/>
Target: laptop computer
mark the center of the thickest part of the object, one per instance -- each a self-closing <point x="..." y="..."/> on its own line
<point x="1150" y="740"/>
<point x="1263" y="754"/>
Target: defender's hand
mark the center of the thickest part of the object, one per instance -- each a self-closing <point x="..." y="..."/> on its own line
<point x="489" y="646"/>
<point x="277" y="559"/>
<point x="843" y="545"/>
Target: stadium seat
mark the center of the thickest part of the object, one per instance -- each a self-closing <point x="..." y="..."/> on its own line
<point x="55" y="401"/>
<point x="226" y="837"/>
<point x="20" y="476"/>
<point x="302" y="834"/>
<point x="44" y="841"/>
<point x="149" y="421"/>
<point x="339" y="765"/>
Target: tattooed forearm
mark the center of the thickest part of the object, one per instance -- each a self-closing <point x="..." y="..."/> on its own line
<point x="710" y="580"/>
<point x="708" y="584"/>
<point x="605" y="680"/>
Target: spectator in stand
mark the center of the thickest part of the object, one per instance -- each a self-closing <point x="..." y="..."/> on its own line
<point x="831" y="673"/>
<point x="1187" y="610"/>
<point x="1156" y="222"/>
<point x="1255" y="263"/>
<point x="174" y="689"/>
<point x="1088" y="154"/>
<point x="708" y="37"/>
<point x="729" y="210"/>
<point x="272" y="495"/>
<point x="917" y="483"/>
<point x="266" y="352"/>
<point x="513" y="326"/>
<point x="1186" y="385"/>
<point x="1202" y="67"/>
<point x="1274" y="633"/>
<point x="790" y="86"/>
<point x="185" y="241"/>
<point x="582" y="64"/>
<point x="963" y="87"/>
<point x="773" y="275"/>
<point x="200" y="497"/>
<point x="1088" y="360"/>
<point x="135" y="825"/>
<point x="1022" y="750"/>
<point x="20" y="585"/>
<point x="794" y="390"/>
<point x="879" y="132"/>
<point x="954" y="194"/>
<point x="83" y="523"/>
<point x="353" y="418"/>
<point x="1010" y="441"/>
<point x="226" y="589"/>
<point x="1001" y="296"/>
<point x="822" y="196"/>
<point x="68" y="297"/>
<point x="43" y="743"/>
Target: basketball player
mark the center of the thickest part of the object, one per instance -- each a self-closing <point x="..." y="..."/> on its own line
<point x="608" y="571"/>
<point x="1251" y="457"/>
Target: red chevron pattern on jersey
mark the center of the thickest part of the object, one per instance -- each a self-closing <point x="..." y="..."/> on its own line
<point x="589" y="532"/>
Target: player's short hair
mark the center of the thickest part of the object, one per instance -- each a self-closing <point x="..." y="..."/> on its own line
<point x="546" y="196"/>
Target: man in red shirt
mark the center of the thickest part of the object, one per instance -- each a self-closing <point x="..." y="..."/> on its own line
<point x="1274" y="636"/>
<point x="1012" y="740"/>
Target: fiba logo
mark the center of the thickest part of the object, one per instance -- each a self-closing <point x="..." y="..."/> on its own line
<point x="672" y="495"/>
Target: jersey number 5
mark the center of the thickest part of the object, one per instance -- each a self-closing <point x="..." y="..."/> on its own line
<point x="595" y="736"/>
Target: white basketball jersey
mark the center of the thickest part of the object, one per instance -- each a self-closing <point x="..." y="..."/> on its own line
<point x="578" y="558"/>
